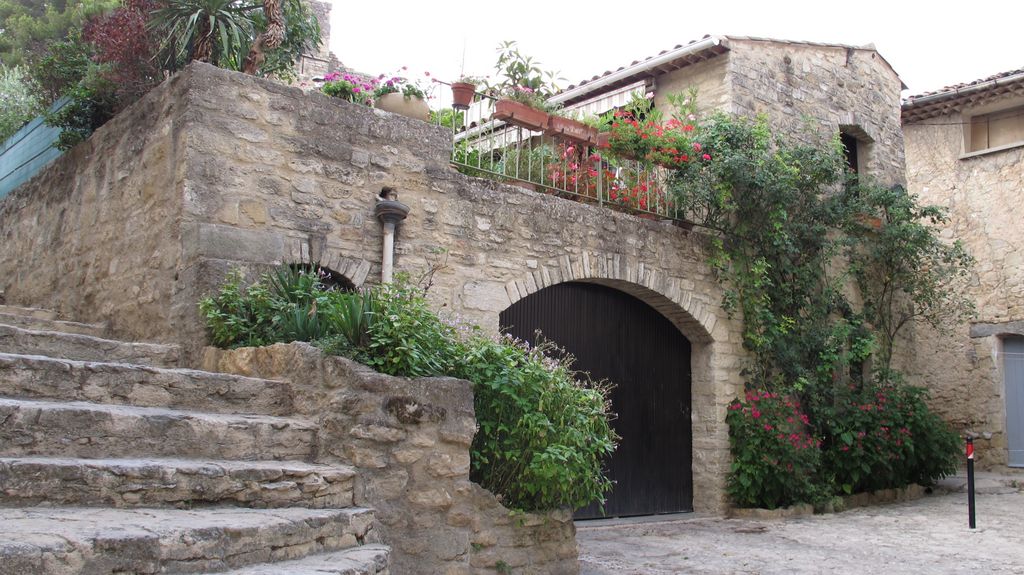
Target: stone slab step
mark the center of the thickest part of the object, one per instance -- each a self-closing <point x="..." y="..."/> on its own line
<point x="80" y="429"/>
<point x="17" y="340"/>
<point x="173" y="482"/>
<point x="52" y="541"/>
<point x="44" y="324"/>
<point x="123" y="384"/>
<point x="36" y="312"/>
<point x="363" y="560"/>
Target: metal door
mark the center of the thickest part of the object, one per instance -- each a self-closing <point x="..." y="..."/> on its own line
<point x="1013" y="370"/>
<point x="615" y="336"/>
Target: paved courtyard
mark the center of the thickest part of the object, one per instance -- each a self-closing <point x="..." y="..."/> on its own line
<point x="929" y="535"/>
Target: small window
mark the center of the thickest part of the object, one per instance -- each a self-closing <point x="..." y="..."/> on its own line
<point x="850" y="145"/>
<point x="856" y="148"/>
<point x="995" y="130"/>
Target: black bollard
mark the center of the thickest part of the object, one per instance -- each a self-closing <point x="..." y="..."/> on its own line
<point x="970" y="482"/>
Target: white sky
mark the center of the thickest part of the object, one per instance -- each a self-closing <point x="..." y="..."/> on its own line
<point x="931" y="44"/>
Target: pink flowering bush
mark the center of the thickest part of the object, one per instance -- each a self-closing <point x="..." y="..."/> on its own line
<point x="882" y="435"/>
<point x="775" y="457"/>
<point x="351" y="87"/>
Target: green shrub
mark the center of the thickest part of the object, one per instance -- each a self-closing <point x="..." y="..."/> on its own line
<point x="883" y="436"/>
<point x="544" y="430"/>
<point x="18" y="101"/>
<point x="775" y="457"/>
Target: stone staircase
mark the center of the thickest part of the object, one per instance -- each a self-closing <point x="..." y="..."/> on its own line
<point x="113" y="459"/>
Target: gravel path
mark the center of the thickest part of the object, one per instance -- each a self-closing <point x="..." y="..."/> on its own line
<point x="929" y="535"/>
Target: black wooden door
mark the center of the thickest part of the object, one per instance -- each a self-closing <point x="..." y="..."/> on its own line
<point x="615" y="336"/>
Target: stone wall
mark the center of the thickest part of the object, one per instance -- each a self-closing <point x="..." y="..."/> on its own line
<point x="710" y="78"/>
<point x="97" y="234"/>
<point x="963" y="367"/>
<point x="409" y="439"/>
<point x="811" y="90"/>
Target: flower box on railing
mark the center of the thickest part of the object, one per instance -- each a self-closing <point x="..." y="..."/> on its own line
<point x="571" y="130"/>
<point x="520" y="114"/>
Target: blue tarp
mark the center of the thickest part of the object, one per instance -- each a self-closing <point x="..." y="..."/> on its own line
<point x="29" y="150"/>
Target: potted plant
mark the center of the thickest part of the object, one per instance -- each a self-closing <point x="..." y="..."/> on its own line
<point x="571" y="129"/>
<point x="399" y="95"/>
<point x="521" y="108"/>
<point x="348" y="86"/>
<point x="463" y="92"/>
<point x="523" y="90"/>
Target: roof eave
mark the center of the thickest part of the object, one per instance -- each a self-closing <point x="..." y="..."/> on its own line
<point x="699" y="51"/>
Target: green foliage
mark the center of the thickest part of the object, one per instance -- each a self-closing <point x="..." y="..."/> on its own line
<point x="19" y="101"/>
<point x="522" y="79"/>
<point x="29" y="27"/>
<point x="882" y="435"/>
<point x="775" y="458"/>
<point x="406" y="337"/>
<point x="904" y="271"/>
<point x="239" y="315"/>
<point x="214" y="31"/>
<point x="69" y="71"/>
<point x="302" y="34"/>
<point x="783" y="214"/>
<point x="544" y="429"/>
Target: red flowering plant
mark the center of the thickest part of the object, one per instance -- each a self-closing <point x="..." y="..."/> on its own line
<point x="881" y="435"/>
<point x="574" y="168"/>
<point x="638" y="131"/>
<point x="775" y="457"/>
<point x="577" y="169"/>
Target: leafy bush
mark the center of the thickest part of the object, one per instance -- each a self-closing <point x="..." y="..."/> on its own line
<point x="18" y="100"/>
<point x="883" y="435"/>
<point x="775" y="457"/>
<point x="543" y="433"/>
<point x="543" y="429"/>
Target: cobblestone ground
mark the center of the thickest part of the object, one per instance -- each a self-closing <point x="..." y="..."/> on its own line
<point x="929" y="535"/>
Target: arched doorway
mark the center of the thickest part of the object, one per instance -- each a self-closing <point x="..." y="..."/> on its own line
<point x="616" y="336"/>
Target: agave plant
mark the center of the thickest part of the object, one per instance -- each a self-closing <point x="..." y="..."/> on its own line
<point x="214" y="31"/>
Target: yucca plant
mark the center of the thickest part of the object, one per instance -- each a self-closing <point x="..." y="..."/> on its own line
<point x="213" y="31"/>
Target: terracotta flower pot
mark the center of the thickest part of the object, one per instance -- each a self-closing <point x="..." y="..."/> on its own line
<point x="520" y="115"/>
<point x="603" y="139"/>
<point x="462" y="94"/>
<point x="571" y="130"/>
<point x="409" y="107"/>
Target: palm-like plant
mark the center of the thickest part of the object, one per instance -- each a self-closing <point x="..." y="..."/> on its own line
<point x="213" y="31"/>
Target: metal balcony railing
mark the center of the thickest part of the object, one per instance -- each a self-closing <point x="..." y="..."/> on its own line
<point x="553" y="158"/>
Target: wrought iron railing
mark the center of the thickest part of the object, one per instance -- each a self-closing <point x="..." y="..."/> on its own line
<point x="557" y="157"/>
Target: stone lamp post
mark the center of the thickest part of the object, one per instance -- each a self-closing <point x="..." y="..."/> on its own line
<point x="389" y="211"/>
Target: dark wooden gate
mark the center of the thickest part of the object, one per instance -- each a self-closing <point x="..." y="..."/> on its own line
<point x="615" y="336"/>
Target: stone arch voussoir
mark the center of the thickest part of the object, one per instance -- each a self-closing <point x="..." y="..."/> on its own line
<point x="692" y="313"/>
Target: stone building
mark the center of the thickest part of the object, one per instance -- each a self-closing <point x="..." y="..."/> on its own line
<point x="807" y="90"/>
<point x="248" y="173"/>
<point x="965" y="146"/>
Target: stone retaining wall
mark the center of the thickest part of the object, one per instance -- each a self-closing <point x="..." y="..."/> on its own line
<point x="410" y="440"/>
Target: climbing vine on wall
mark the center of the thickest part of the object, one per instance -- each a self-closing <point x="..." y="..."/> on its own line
<point x="823" y="293"/>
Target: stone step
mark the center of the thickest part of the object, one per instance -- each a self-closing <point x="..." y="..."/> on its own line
<point x="173" y="482"/>
<point x="17" y="340"/>
<point x="36" y="312"/>
<point x="362" y="560"/>
<point x="51" y="541"/>
<point x="67" y="380"/>
<point x="46" y="324"/>
<point x="89" y="430"/>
